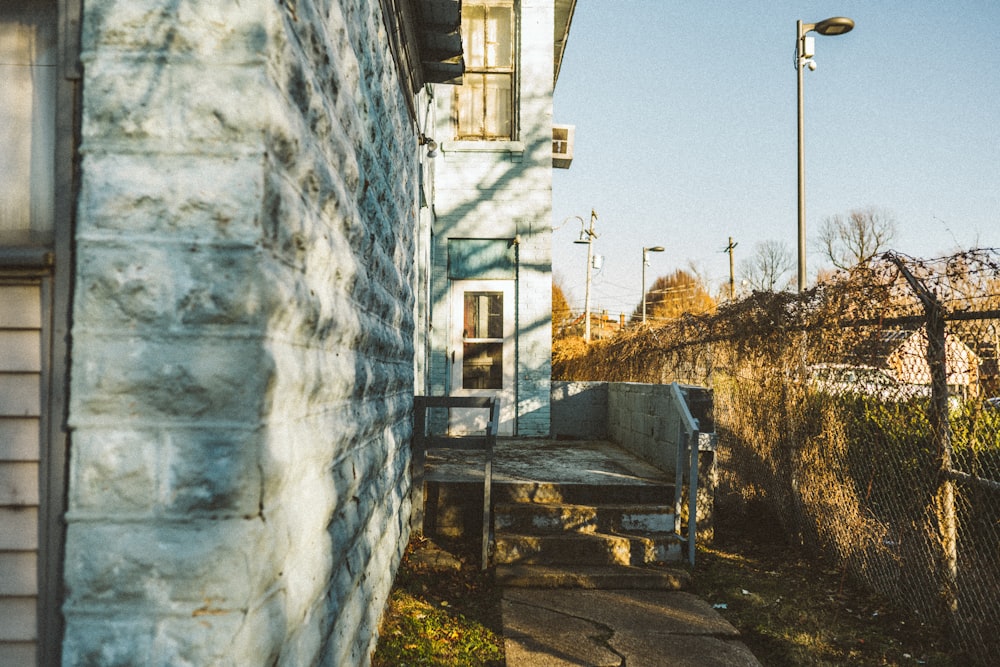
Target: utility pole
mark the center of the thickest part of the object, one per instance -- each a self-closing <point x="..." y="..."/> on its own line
<point x="732" y="276"/>
<point x="587" y="236"/>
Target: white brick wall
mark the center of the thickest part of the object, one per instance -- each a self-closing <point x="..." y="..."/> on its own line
<point x="242" y="348"/>
<point x="504" y="190"/>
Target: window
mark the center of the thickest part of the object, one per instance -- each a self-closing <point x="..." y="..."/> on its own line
<point x="482" y="337"/>
<point x="484" y="102"/>
<point x="28" y="48"/>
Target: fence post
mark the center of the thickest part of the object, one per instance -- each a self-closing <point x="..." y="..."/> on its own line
<point x="944" y="496"/>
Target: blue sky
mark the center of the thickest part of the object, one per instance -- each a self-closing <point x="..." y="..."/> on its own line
<point x="685" y="117"/>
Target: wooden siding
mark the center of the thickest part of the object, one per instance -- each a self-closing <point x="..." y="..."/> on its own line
<point x="20" y="410"/>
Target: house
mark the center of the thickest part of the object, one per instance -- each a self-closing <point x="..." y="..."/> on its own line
<point x="986" y="345"/>
<point x="489" y="244"/>
<point x="903" y="353"/>
<point x="222" y="251"/>
<point x="602" y="325"/>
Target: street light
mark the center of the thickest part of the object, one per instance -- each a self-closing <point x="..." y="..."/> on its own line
<point x="587" y="236"/>
<point x="645" y="263"/>
<point x="837" y="25"/>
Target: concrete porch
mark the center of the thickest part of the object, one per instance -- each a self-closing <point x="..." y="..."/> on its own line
<point x="556" y="503"/>
<point x="553" y="461"/>
<point x="609" y="471"/>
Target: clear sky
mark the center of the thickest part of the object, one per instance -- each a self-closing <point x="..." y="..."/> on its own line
<point x="685" y="116"/>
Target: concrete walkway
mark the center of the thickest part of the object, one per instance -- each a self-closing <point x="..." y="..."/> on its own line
<point x="602" y="628"/>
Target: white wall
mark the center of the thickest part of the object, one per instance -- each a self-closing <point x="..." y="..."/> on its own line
<point x="242" y="372"/>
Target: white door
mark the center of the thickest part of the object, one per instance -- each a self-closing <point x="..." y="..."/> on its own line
<point x="482" y="351"/>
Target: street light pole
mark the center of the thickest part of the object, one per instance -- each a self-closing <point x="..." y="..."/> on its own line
<point x="836" y="25"/>
<point x="799" y="64"/>
<point x="645" y="263"/>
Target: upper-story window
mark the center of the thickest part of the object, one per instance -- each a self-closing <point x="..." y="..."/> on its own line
<point x="28" y="78"/>
<point x="484" y="103"/>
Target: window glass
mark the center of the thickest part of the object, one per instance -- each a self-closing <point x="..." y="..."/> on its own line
<point x="483" y="104"/>
<point x="28" y="75"/>
<point x="474" y="35"/>
<point x="499" y="37"/>
<point x="497" y="99"/>
<point x="482" y="366"/>
<point x="482" y="360"/>
<point x="483" y="315"/>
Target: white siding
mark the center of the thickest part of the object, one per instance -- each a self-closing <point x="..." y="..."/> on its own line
<point x="20" y="406"/>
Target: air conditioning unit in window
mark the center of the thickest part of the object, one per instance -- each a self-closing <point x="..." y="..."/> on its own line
<point x="562" y="146"/>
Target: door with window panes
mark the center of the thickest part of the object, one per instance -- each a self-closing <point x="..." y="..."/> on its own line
<point x="482" y="350"/>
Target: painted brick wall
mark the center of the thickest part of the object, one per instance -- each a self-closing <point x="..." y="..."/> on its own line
<point x="503" y="190"/>
<point x="242" y="370"/>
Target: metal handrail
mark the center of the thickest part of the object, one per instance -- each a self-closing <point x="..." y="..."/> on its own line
<point x="687" y="446"/>
<point x="423" y="441"/>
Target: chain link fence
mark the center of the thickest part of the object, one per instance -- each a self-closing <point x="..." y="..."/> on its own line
<point x="864" y="416"/>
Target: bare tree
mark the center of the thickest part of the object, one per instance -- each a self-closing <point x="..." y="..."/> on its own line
<point x="857" y="237"/>
<point x="768" y="266"/>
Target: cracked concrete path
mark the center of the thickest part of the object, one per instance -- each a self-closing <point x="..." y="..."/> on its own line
<point x="617" y="628"/>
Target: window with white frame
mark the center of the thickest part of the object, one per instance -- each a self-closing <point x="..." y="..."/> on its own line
<point x="484" y="103"/>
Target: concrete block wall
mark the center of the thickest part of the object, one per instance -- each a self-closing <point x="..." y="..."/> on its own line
<point x="580" y="409"/>
<point x="640" y="421"/>
<point x="242" y="356"/>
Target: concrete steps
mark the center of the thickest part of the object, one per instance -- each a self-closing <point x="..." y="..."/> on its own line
<point x="580" y="514"/>
<point x="593" y="577"/>
<point x="610" y="536"/>
<point x="561" y="517"/>
<point x="585" y="549"/>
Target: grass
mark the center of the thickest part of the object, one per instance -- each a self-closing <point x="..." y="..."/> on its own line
<point x="793" y="611"/>
<point x="444" y="611"/>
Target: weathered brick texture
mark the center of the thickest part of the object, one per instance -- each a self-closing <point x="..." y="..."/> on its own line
<point x="242" y="372"/>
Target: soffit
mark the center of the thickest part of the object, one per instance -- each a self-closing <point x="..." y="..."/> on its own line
<point x="563" y="18"/>
<point x="438" y="24"/>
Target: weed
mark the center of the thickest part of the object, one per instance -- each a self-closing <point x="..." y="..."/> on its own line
<point x="443" y="610"/>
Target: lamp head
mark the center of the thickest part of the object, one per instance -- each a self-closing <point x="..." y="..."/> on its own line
<point x="836" y="25"/>
<point x="584" y="237"/>
<point x="432" y="146"/>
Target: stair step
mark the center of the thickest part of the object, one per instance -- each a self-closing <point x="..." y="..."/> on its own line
<point x="582" y="494"/>
<point x="536" y="518"/>
<point x="621" y="577"/>
<point x="586" y="549"/>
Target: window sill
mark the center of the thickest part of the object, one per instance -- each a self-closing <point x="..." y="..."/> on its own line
<point x="510" y="147"/>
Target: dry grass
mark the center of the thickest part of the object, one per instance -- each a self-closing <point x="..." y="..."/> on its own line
<point x="794" y="611"/>
<point x="789" y="610"/>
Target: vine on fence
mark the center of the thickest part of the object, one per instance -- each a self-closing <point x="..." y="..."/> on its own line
<point x="864" y="415"/>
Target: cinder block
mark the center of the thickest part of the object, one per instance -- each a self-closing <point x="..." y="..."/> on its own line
<point x="104" y="640"/>
<point x="187" y="379"/>
<point x="114" y="472"/>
